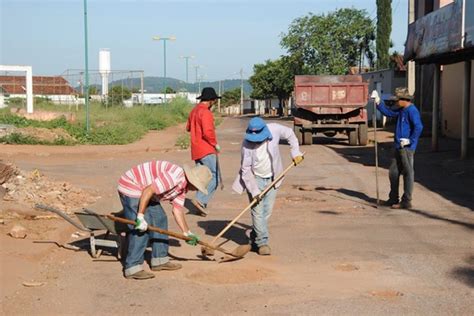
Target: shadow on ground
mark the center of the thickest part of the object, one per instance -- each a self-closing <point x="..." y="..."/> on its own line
<point x="465" y="274"/>
<point x="237" y="233"/>
<point x="441" y="172"/>
<point x="372" y="202"/>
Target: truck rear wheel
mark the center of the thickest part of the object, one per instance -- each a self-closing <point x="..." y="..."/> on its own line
<point x="298" y="133"/>
<point x="353" y="137"/>
<point x="363" y="134"/>
<point x="308" y="137"/>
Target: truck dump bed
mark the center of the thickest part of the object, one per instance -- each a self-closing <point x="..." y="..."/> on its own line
<point x="330" y="91"/>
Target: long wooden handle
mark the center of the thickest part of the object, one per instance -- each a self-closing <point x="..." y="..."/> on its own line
<point x="169" y="233"/>
<point x="219" y="173"/>
<point x="254" y="201"/>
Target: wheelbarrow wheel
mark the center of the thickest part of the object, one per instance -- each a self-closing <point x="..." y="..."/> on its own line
<point x="95" y="253"/>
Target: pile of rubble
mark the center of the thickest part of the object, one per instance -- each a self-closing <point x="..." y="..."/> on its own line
<point x="32" y="188"/>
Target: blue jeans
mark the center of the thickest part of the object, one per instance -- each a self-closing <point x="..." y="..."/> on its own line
<point x="210" y="162"/>
<point x="262" y="212"/>
<point x="138" y="241"/>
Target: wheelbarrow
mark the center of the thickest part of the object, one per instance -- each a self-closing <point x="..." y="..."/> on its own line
<point x="93" y="223"/>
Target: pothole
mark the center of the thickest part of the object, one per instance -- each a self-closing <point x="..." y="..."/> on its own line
<point x="301" y="198"/>
<point x="386" y="294"/>
<point x="346" y="267"/>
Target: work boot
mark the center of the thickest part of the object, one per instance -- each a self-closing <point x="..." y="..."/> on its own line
<point x="141" y="275"/>
<point x="167" y="266"/>
<point x="404" y="205"/>
<point x="264" y="250"/>
<point x="201" y="210"/>
<point x="389" y="202"/>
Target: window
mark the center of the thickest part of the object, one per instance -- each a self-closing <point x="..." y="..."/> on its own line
<point x="429" y="6"/>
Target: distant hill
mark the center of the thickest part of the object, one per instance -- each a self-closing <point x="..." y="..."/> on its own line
<point x="155" y="84"/>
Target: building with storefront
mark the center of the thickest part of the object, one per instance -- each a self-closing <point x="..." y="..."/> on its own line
<point x="441" y="42"/>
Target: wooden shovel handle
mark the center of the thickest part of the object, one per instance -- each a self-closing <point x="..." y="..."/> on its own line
<point x="169" y="233"/>
<point x="254" y="201"/>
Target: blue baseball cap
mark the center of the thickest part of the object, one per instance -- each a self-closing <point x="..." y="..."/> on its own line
<point x="257" y="131"/>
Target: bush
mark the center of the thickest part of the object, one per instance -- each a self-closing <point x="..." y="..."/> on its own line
<point x="16" y="101"/>
<point x="117" y="94"/>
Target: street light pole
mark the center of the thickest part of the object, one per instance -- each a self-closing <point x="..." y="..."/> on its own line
<point x="241" y="91"/>
<point x="196" y="81"/>
<point x="164" y="39"/>
<point x="187" y="58"/>
<point x="86" y="51"/>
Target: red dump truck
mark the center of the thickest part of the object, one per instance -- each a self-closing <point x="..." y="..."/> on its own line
<point x="330" y="105"/>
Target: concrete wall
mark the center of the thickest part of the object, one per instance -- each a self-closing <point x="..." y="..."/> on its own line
<point x="451" y="100"/>
<point x="158" y="98"/>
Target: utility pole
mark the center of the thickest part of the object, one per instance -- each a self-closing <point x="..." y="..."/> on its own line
<point x="142" y="86"/>
<point x="219" y="100"/>
<point x="241" y="91"/>
<point x="164" y="39"/>
<point x="200" y="79"/>
<point x="196" y="81"/>
<point x="187" y="58"/>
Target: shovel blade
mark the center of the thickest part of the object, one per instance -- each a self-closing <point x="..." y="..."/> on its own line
<point x="206" y="251"/>
<point x="241" y="251"/>
<point x="228" y="259"/>
<point x="237" y="254"/>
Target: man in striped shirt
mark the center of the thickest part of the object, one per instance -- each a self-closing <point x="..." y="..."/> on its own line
<point x="141" y="189"/>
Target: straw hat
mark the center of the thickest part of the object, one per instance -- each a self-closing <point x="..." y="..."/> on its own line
<point x="402" y="93"/>
<point x="199" y="176"/>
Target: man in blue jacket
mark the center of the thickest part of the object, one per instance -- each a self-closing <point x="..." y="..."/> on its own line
<point x="407" y="133"/>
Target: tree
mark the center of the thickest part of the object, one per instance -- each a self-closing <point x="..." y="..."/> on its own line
<point x="93" y="90"/>
<point x="274" y="79"/>
<point x="168" y="90"/>
<point x="231" y="97"/>
<point x="384" y="29"/>
<point x="117" y="94"/>
<point x="330" y="43"/>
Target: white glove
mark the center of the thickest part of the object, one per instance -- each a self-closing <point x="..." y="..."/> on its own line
<point x="140" y="223"/>
<point x="375" y="96"/>
<point x="404" y="142"/>
<point x="218" y="148"/>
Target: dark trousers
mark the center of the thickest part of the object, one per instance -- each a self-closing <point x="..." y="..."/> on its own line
<point x="402" y="164"/>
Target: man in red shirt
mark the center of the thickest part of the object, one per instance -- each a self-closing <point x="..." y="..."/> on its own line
<point x="204" y="147"/>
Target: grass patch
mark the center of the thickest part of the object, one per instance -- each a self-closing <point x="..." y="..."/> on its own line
<point x="109" y="126"/>
<point x="183" y="141"/>
<point x="18" y="138"/>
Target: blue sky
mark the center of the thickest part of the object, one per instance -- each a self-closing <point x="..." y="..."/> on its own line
<point x="224" y="35"/>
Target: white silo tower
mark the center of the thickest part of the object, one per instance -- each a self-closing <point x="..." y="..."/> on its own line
<point x="104" y="69"/>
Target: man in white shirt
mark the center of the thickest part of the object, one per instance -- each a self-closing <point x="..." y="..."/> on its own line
<point x="261" y="163"/>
